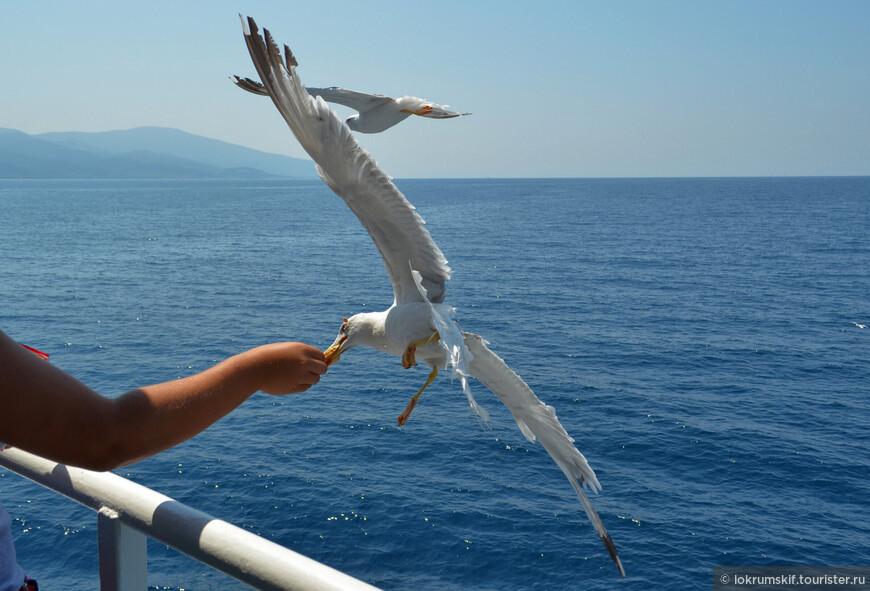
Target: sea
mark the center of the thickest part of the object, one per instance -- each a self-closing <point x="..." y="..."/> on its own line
<point x="706" y="342"/>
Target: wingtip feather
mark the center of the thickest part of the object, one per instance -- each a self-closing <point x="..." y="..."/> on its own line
<point x="249" y="26"/>
<point x="614" y="555"/>
<point x="603" y="535"/>
<point x="289" y="58"/>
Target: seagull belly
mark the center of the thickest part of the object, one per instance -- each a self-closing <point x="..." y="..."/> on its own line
<point x="412" y="322"/>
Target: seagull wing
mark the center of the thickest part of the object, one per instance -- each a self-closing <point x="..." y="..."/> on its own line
<point x="394" y="225"/>
<point x="251" y="86"/>
<point x="358" y="101"/>
<point x="538" y="421"/>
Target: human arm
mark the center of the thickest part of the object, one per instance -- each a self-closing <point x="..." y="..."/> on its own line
<point x="48" y="412"/>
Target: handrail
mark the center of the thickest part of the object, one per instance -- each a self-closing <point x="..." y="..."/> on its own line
<point x="127" y="510"/>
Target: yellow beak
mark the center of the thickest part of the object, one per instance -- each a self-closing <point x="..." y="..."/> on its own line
<point x="333" y="354"/>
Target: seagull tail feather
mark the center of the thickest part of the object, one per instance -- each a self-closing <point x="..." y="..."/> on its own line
<point x="452" y="340"/>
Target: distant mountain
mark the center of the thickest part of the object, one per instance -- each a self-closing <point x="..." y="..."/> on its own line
<point x="143" y="152"/>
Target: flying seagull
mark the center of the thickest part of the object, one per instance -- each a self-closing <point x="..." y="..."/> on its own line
<point x="419" y="325"/>
<point x="377" y="112"/>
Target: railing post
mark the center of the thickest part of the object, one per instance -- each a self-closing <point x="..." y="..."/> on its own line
<point x="123" y="554"/>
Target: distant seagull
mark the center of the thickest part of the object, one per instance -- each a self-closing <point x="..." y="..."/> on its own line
<point x="860" y="325"/>
<point x="377" y="112"/>
<point x="419" y="325"/>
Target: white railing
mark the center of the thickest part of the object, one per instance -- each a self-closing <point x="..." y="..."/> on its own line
<point x="128" y="514"/>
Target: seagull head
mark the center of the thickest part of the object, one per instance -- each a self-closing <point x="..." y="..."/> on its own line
<point x="360" y="329"/>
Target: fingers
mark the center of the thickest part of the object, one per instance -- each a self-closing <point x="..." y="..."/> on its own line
<point x="318" y="361"/>
<point x="288" y="368"/>
<point x="315" y="367"/>
<point x="316" y="364"/>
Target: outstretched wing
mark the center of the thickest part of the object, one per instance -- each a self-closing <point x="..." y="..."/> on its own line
<point x="358" y="101"/>
<point x="538" y="421"/>
<point x="394" y="225"/>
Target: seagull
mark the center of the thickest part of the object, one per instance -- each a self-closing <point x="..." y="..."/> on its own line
<point x="860" y="325"/>
<point x="419" y="325"/>
<point x="376" y="112"/>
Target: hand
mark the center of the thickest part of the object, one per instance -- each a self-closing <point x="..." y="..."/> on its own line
<point x="285" y="368"/>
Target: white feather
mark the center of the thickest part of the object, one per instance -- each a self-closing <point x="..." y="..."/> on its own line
<point x="452" y="342"/>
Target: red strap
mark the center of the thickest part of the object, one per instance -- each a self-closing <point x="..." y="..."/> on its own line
<point x="39" y="353"/>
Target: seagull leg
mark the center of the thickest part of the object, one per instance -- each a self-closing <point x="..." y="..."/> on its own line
<point x="406" y="414"/>
<point x="408" y="357"/>
<point x="409" y="360"/>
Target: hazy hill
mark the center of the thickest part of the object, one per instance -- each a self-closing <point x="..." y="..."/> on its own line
<point x="144" y="152"/>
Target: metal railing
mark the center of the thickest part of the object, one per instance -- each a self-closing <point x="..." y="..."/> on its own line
<point x="129" y="513"/>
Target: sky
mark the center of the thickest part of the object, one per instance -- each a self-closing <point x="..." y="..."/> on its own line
<point x="573" y="88"/>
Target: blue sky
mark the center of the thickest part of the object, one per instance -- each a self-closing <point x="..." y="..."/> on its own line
<point x="558" y="88"/>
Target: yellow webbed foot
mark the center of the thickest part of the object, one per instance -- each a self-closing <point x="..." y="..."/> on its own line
<point x="408" y="357"/>
<point x="406" y="414"/>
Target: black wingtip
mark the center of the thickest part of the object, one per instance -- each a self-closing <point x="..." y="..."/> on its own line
<point x="290" y="58"/>
<point x="611" y="549"/>
<point x="251" y="86"/>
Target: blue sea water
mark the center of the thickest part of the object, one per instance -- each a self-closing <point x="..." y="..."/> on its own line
<point x="697" y="337"/>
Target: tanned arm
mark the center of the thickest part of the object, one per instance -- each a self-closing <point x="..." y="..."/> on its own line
<point x="48" y="412"/>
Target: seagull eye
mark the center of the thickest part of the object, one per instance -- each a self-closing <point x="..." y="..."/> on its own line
<point x="343" y="326"/>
